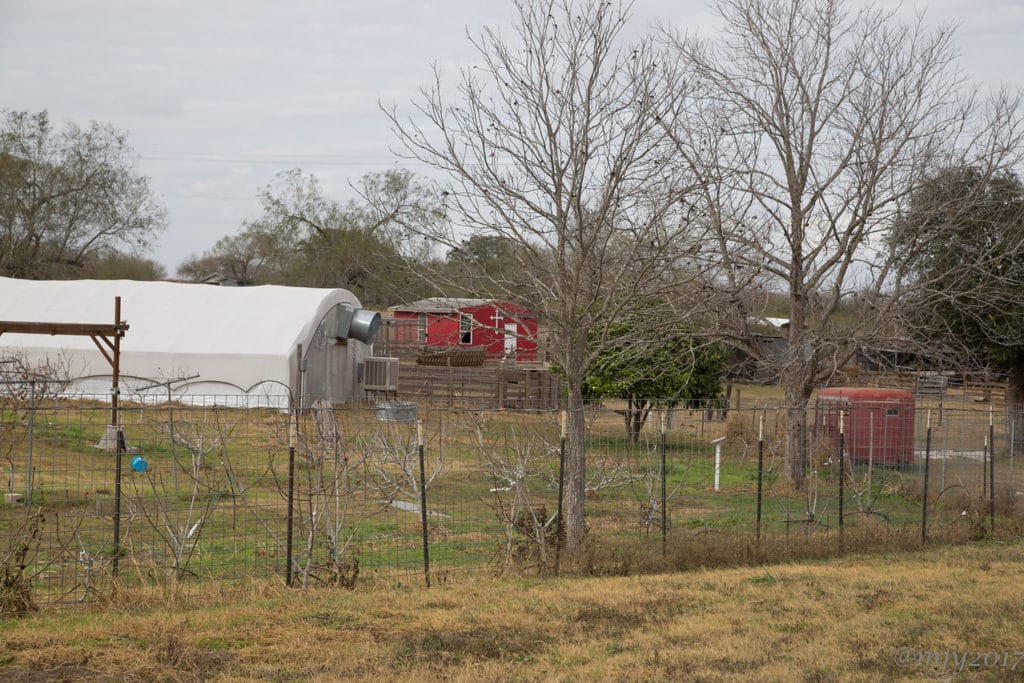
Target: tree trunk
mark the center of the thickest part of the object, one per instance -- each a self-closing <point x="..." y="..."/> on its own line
<point x="796" y="437"/>
<point x="575" y="467"/>
<point x="636" y="416"/>
<point x="724" y="413"/>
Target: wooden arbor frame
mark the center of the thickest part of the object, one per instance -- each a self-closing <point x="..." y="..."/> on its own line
<point x="107" y="339"/>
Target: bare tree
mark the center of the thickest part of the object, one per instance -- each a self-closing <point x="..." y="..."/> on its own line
<point x="555" y="144"/>
<point x="810" y="127"/>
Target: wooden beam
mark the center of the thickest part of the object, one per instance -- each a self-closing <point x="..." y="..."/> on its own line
<point x="96" y="341"/>
<point x="72" y="329"/>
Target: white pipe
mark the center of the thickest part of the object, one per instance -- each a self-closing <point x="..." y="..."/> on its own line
<point x="717" y="443"/>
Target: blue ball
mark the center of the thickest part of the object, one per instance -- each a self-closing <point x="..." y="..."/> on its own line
<point x="139" y="464"/>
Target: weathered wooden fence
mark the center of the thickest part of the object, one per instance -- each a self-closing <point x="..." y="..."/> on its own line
<point x="491" y="386"/>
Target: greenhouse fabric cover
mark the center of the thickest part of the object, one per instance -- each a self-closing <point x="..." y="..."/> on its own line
<point x="239" y="340"/>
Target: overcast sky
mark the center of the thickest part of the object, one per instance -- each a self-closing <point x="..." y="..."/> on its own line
<point x="217" y="96"/>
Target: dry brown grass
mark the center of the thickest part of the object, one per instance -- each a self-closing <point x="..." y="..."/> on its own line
<point x="837" y="620"/>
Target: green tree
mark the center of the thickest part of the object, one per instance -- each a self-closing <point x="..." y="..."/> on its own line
<point x="117" y="265"/>
<point x="305" y="238"/>
<point x="67" y="196"/>
<point x="965" y="231"/>
<point x="667" y="369"/>
<point x="478" y="262"/>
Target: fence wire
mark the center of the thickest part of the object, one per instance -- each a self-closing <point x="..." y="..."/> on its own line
<point x="224" y="495"/>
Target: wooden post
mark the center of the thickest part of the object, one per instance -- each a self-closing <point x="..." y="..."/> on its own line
<point x="559" y="531"/>
<point x="116" y="365"/>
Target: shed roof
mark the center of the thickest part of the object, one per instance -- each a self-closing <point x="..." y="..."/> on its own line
<point x="440" y="304"/>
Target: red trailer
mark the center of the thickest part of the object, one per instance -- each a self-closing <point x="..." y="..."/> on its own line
<point x="878" y="423"/>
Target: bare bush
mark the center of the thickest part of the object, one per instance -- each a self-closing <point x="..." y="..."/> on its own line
<point x="331" y="505"/>
<point x="519" y="463"/>
<point x="25" y="385"/>
<point x="180" y="530"/>
<point x="15" y="566"/>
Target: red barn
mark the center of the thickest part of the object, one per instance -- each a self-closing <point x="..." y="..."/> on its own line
<point x="504" y="330"/>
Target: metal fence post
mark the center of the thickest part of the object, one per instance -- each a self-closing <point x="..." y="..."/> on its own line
<point x="119" y="451"/>
<point x="561" y="490"/>
<point x="984" y="470"/>
<point x="871" y="452"/>
<point x="760" y="471"/>
<point x="927" y="463"/>
<point x="423" y="504"/>
<point x="1013" y="442"/>
<point x="842" y="471"/>
<point x="31" y="432"/>
<point x="290" y="524"/>
<point x="991" y="473"/>
<point x="293" y="436"/>
<point x="664" y="499"/>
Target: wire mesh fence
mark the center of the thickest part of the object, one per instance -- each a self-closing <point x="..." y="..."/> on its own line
<point x="223" y="495"/>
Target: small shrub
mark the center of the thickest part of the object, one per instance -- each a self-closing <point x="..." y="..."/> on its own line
<point x="1008" y="503"/>
<point x="341" y="572"/>
<point x="15" y="580"/>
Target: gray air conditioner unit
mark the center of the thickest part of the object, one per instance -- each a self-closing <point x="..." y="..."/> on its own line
<point x="380" y="374"/>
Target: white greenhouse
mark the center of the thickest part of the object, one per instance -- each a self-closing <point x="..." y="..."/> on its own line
<point x="203" y="343"/>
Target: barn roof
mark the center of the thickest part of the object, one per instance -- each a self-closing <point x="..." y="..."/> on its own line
<point x="239" y="336"/>
<point x="440" y="304"/>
